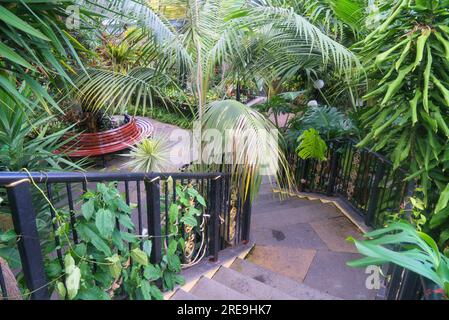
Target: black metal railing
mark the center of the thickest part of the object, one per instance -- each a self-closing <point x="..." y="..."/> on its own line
<point x="227" y="214"/>
<point x="364" y="179"/>
<point x="369" y="183"/>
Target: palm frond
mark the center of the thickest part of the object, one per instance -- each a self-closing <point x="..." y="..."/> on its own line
<point x="113" y="91"/>
<point x="302" y="34"/>
<point x="251" y="145"/>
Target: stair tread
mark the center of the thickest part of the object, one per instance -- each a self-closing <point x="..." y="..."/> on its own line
<point x="270" y="206"/>
<point x="280" y="282"/>
<point x="286" y="216"/>
<point x="183" y="295"/>
<point x="249" y="286"/>
<point x="208" y="289"/>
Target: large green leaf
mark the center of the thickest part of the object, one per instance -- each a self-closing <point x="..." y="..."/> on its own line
<point x="105" y="222"/>
<point x="14" y="21"/>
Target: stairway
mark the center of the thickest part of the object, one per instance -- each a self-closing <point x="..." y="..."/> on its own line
<point x="244" y="280"/>
<point x="300" y="252"/>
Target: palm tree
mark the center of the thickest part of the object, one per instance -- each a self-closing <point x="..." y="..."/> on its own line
<point x="270" y="42"/>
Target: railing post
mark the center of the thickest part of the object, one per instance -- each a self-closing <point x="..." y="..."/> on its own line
<point x="333" y="170"/>
<point x="152" y="188"/>
<point x="214" y="203"/>
<point x="24" y="220"/>
<point x="246" y="227"/>
<point x="374" y="194"/>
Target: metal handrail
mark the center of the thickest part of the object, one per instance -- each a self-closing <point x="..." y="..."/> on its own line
<point x="60" y="177"/>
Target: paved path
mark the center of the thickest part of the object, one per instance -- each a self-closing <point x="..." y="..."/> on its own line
<point x="305" y="240"/>
<point x="178" y="138"/>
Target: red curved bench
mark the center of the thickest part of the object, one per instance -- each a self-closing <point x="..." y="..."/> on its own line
<point x="101" y="143"/>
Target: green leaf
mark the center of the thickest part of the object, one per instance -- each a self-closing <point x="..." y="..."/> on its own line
<point x="9" y="54"/>
<point x="443" y="200"/>
<point x="126" y="221"/>
<point x="12" y="20"/>
<point x="73" y="276"/>
<point x="172" y="247"/>
<point x="147" y="246"/>
<point x="311" y="145"/>
<point x="152" y="272"/>
<point x="189" y="220"/>
<point x="173" y="213"/>
<point x="88" y="234"/>
<point x="173" y="262"/>
<point x="117" y="240"/>
<point x="115" y="268"/>
<point x="139" y="256"/>
<point x="145" y="290"/>
<point x="88" y="209"/>
<point x="439" y="218"/>
<point x="201" y="200"/>
<point x="61" y="290"/>
<point x="53" y="269"/>
<point x="104" y="221"/>
<point x="156" y="293"/>
<point x="93" y="293"/>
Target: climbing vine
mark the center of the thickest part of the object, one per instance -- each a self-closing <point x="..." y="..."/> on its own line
<point x="109" y="259"/>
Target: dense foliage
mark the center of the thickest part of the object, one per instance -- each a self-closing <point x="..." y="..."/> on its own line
<point x="407" y="115"/>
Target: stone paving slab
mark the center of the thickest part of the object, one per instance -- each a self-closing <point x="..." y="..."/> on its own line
<point x="279" y="217"/>
<point x="330" y="274"/>
<point x="290" y="262"/>
<point x="297" y="235"/>
<point x="334" y="233"/>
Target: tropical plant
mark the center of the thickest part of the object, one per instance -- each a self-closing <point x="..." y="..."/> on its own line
<point x="24" y="141"/>
<point x="413" y="250"/>
<point x="278" y="105"/>
<point x="328" y="121"/>
<point x="340" y="19"/>
<point x="37" y="49"/>
<point x="406" y="59"/>
<point x="110" y="260"/>
<point x="311" y="145"/>
<point x="246" y="140"/>
<point x="150" y="155"/>
<point x="213" y="36"/>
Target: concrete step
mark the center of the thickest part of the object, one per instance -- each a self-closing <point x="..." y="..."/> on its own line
<point x="275" y="280"/>
<point x="277" y="217"/>
<point x="277" y="205"/>
<point x="208" y="289"/>
<point x="183" y="295"/>
<point x="248" y="286"/>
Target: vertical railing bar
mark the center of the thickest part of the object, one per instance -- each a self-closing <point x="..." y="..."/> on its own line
<point x="374" y="196"/>
<point x="152" y="188"/>
<point x="139" y="208"/>
<point x="214" y="240"/>
<point x="247" y="217"/>
<point x="127" y="193"/>
<point x="24" y="220"/>
<point x="54" y="224"/>
<point x="166" y="211"/>
<point x="72" y="211"/>
<point x="332" y="171"/>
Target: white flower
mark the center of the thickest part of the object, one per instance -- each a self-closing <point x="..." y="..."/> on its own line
<point x="318" y="84"/>
<point x="312" y="103"/>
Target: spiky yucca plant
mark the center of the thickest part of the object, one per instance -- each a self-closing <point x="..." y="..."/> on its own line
<point x="150" y="155"/>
